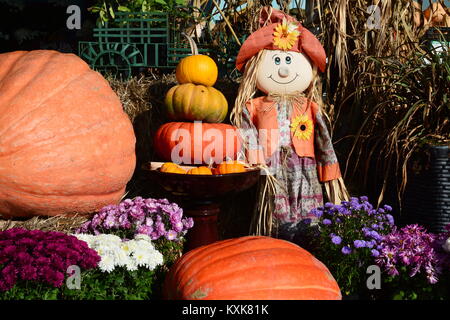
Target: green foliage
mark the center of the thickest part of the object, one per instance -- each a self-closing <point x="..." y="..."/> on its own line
<point x="30" y="290"/>
<point x="119" y="284"/>
<point x="348" y="270"/>
<point x="171" y="250"/>
<point x="403" y="287"/>
<point x="344" y="239"/>
<point x="106" y="8"/>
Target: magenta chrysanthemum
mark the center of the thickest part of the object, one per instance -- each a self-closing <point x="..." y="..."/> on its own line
<point x="41" y="256"/>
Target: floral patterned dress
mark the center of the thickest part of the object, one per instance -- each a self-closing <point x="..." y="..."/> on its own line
<point x="300" y="189"/>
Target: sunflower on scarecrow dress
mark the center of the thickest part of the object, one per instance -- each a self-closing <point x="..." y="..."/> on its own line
<point x="284" y="131"/>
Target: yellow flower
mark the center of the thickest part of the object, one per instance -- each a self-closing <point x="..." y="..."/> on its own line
<point x="285" y="35"/>
<point x="302" y="127"/>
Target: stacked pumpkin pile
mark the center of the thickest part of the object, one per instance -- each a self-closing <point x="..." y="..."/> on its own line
<point x="197" y="134"/>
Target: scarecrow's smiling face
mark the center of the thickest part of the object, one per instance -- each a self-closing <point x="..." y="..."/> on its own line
<point x="283" y="72"/>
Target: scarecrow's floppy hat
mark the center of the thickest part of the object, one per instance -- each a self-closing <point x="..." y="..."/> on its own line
<point x="279" y="31"/>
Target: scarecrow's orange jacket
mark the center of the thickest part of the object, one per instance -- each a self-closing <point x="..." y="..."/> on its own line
<point x="263" y="114"/>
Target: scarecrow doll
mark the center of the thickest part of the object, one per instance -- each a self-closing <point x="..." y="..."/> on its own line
<point x="284" y="130"/>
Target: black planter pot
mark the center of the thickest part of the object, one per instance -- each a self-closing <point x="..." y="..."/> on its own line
<point x="427" y="195"/>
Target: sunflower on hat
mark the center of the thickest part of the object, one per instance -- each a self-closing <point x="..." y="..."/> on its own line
<point x="281" y="32"/>
<point x="285" y="35"/>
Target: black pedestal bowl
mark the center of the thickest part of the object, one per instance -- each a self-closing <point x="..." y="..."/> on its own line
<point x="200" y="196"/>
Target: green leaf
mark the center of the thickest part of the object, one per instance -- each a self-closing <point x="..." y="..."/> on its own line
<point x="399" y="296"/>
<point x="94" y="9"/>
<point x="111" y="12"/>
<point x="103" y="16"/>
<point x="123" y="9"/>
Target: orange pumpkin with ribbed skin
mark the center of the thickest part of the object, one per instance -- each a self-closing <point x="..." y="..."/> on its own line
<point x="250" y="268"/>
<point x="229" y="167"/>
<point x="197" y="69"/>
<point x="200" y="170"/>
<point x="192" y="102"/>
<point x="66" y="145"/>
<point x="171" y="167"/>
<point x="196" y="143"/>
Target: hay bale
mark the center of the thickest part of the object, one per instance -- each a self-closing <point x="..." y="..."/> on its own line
<point x="56" y="223"/>
<point x="143" y="101"/>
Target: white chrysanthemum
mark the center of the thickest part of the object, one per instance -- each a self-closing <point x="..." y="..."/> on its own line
<point x="128" y="246"/>
<point x="155" y="259"/>
<point x="107" y="263"/>
<point x="122" y="258"/>
<point x="144" y="246"/>
<point x="110" y="238"/>
<point x="131" y="265"/>
<point x="84" y="237"/>
<point x="140" y="257"/>
<point x="142" y="237"/>
<point x="131" y="254"/>
<point x="147" y="256"/>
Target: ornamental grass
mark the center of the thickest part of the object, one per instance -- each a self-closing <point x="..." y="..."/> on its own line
<point x="387" y="93"/>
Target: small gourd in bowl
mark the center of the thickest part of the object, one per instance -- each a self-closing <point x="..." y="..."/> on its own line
<point x="200" y="171"/>
<point x="229" y="167"/>
<point x="170" y="167"/>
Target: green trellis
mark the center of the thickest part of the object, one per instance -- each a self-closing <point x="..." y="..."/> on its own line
<point x="135" y="40"/>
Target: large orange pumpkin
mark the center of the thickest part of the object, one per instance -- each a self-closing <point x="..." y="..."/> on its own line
<point x="66" y="145"/>
<point x="196" y="143"/>
<point x="196" y="102"/>
<point x="197" y="69"/>
<point x="250" y="268"/>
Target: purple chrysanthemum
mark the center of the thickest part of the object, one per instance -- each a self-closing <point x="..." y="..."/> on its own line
<point x="359" y="243"/>
<point x="41" y="256"/>
<point x="152" y="217"/>
<point x="413" y="247"/>
<point x="346" y="250"/>
<point x="336" y="239"/>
